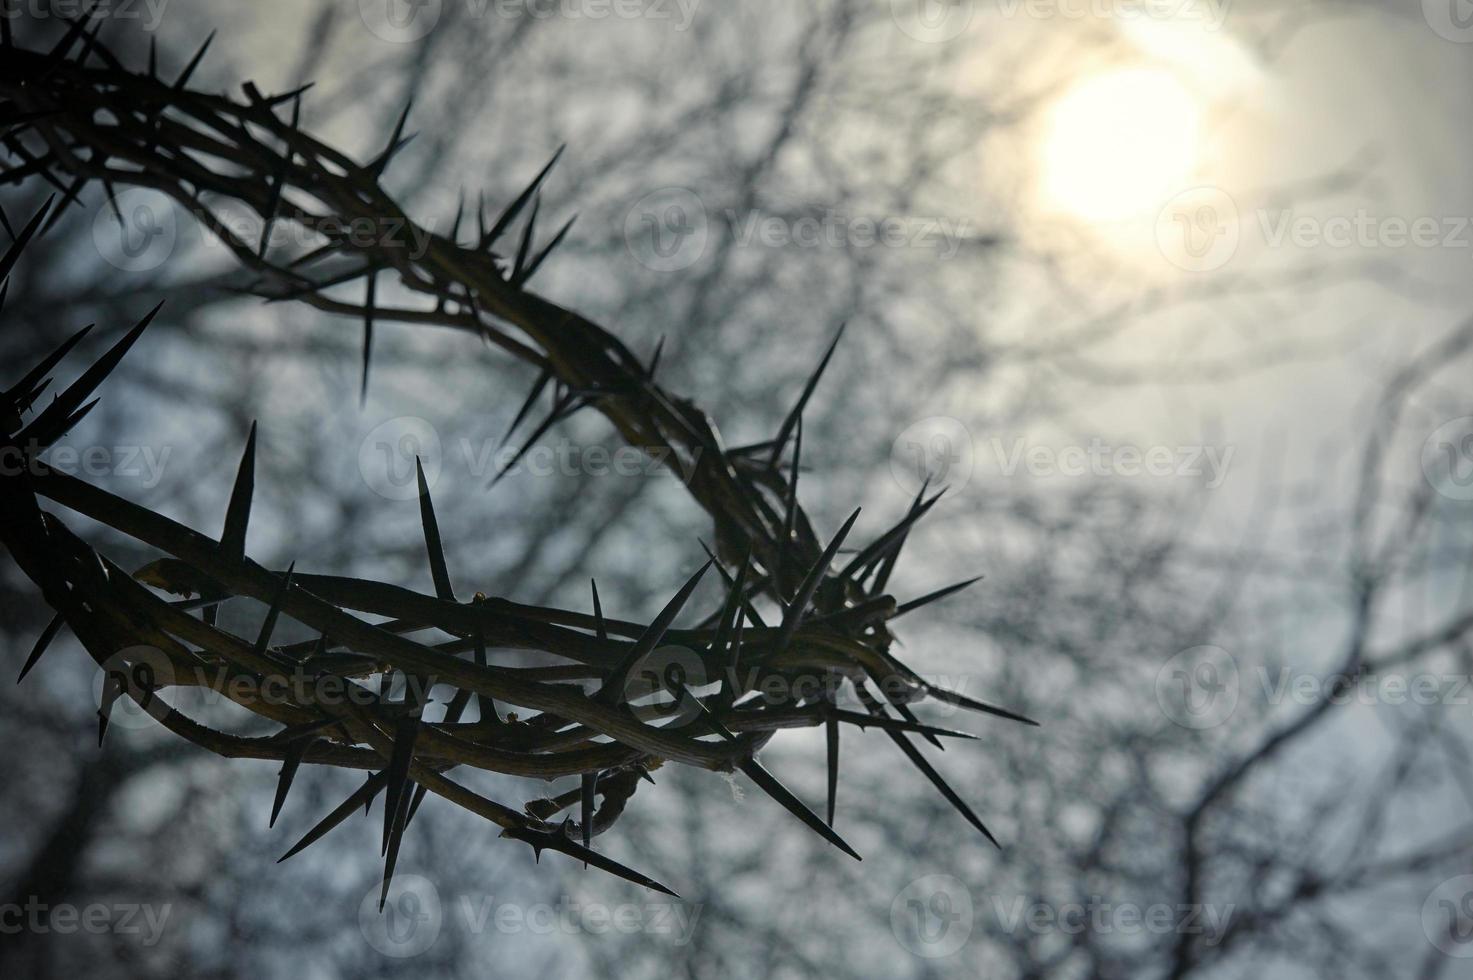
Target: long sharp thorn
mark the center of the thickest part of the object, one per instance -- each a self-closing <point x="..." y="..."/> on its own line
<point x="547" y="250"/>
<point x="750" y="609"/>
<point x="488" y="238"/>
<point x="728" y="629"/>
<point x="790" y="513"/>
<point x="65" y="404"/>
<point x="932" y="597"/>
<point x="780" y="443"/>
<point x="372" y="280"/>
<point x="831" y="735"/>
<point x="910" y="716"/>
<point x="112" y="689"/>
<point x="67" y="200"/>
<point x="769" y="785"/>
<point x="598" y="611"/>
<point x="890" y="539"/>
<point x="268" y="625"/>
<point x="199" y="56"/>
<point x="238" y="511"/>
<point x="915" y="756"/>
<point x="537" y="386"/>
<point x="289" y="766"/>
<point x="377" y="167"/>
<point x="613" y="688"/>
<point x="459" y="213"/>
<point x="42" y="643"/>
<point x="404" y="736"/>
<point x="655" y="358"/>
<point x="438" y="570"/>
<point x="564" y="407"/>
<point x="63" y="47"/>
<point x="589" y="788"/>
<point x="23" y="391"/>
<point x="794" y="613"/>
<point x="524" y="250"/>
<point x="555" y="841"/>
<point x="391" y="849"/>
<point x="886" y="565"/>
<point x="362" y="797"/>
<point x="962" y="701"/>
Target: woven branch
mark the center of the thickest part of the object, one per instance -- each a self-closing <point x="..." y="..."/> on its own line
<point x="72" y="115"/>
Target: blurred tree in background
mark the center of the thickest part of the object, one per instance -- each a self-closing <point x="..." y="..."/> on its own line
<point x="726" y="163"/>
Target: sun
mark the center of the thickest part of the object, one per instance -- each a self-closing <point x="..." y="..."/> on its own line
<point x="1118" y="144"/>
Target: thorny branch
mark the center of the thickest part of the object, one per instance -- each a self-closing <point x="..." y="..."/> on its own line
<point x="72" y="115"/>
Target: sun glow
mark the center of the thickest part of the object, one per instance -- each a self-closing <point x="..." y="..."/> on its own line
<point x="1118" y="144"/>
